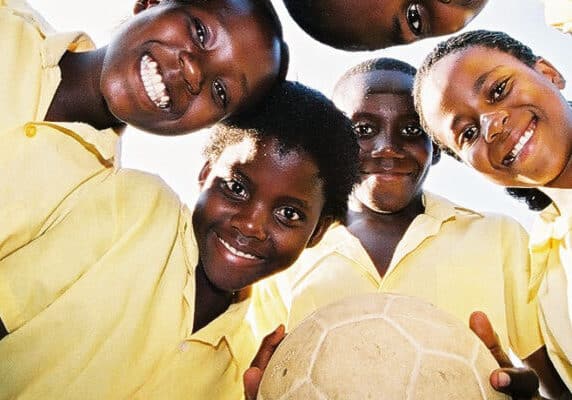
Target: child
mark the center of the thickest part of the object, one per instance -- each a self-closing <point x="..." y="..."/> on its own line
<point x="489" y="100"/>
<point x="174" y="68"/>
<point x="149" y="302"/>
<point x="396" y="237"/>
<point x="375" y="24"/>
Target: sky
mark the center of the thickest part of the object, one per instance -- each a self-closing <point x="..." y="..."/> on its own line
<point x="178" y="159"/>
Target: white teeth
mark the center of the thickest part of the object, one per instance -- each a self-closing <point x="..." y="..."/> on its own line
<point x="521" y="142"/>
<point x="153" y="82"/>
<point x="237" y="252"/>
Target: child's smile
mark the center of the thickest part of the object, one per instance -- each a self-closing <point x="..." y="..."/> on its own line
<point x="257" y="211"/>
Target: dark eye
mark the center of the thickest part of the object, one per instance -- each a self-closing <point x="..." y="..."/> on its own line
<point x="363" y="130"/>
<point x="498" y="91"/>
<point x="219" y="93"/>
<point x="412" y="131"/>
<point x="414" y="19"/>
<point x="289" y="214"/>
<point x="235" y="188"/>
<point x="201" y="32"/>
<point x="468" y="135"/>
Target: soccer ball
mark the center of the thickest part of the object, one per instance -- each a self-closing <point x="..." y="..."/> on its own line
<point x="380" y="346"/>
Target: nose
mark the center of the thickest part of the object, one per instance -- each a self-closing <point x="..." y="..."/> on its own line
<point x="251" y="221"/>
<point x="493" y="124"/>
<point x="192" y="74"/>
<point x="383" y="145"/>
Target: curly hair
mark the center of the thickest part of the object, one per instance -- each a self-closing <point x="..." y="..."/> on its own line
<point x="301" y="119"/>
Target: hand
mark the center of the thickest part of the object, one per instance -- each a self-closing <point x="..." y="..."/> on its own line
<point x="253" y="375"/>
<point x="519" y="383"/>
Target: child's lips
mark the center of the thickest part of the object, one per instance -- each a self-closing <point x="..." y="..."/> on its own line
<point x="521" y="142"/>
<point x="239" y="251"/>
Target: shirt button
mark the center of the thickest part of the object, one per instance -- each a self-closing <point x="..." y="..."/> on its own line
<point x="30" y="131"/>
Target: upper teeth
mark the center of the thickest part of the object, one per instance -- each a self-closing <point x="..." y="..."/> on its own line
<point x="519" y="145"/>
<point x="237" y="252"/>
<point x="153" y="82"/>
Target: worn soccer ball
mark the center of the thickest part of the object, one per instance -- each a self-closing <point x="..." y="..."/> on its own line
<point x="380" y="346"/>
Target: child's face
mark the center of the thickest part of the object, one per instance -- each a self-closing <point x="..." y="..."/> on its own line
<point x="395" y="153"/>
<point x="375" y="24"/>
<point x="505" y="119"/>
<point x="179" y="67"/>
<point x="258" y="209"/>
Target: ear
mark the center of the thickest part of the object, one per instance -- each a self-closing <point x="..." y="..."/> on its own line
<point x="550" y="72"/>
<point x="204" y="173"/>
<point x="141" y="5"/>
<point x="436" y="154"/>
<point x="323" y="224"/>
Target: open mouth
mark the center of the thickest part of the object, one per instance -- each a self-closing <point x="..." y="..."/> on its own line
<point x="522" y="141"/>
<point x="153" y="82"/>
<point x="237" y="252"/>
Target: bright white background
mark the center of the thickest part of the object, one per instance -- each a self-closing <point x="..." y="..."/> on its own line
<point x="178" y="159"/>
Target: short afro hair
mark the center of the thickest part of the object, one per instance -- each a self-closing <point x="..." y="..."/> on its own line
<point x="300" y="119"/>
<point x="377" y="64"/>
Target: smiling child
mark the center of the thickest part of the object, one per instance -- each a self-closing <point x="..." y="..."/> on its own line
<point x="495" y="105"/>
<point x="144" y="300"/>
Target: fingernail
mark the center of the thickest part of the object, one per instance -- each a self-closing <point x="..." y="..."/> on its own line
<point x="503" y="379"/>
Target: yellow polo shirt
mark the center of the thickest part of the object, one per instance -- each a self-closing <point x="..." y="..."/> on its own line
<point x="455" y="258"/>
<point x="41" y="163"/>
<point x="96" y="263"/>
<point x="550" y="245"/>
<point x="558" y="13"/>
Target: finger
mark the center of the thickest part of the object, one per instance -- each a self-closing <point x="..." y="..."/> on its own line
<point x="267" y="348"/>
<point x="251" y="379"/>
<point x="480" y="324"/>
<point x="517" y="382"/>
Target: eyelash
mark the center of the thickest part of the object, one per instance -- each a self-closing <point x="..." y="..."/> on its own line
<point x="498" y="91"/>
<point x="232" y="186"/>
<point x="359" y="128"/>
<point x="220" y="93"/>
<point x="464" y="140"/>
<point x="413" y="17"/>
<point x="417" y="131"/>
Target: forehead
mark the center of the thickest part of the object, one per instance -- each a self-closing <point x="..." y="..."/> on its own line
<point x="358" y="88"/>
<point x="267" y="157"/>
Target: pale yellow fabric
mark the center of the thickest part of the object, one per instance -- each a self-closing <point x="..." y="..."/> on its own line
<point x="96" y="263"/>
<point x="558" y="13"/>
<point x="551" y="249"/>
<point x="40" y="163"/>
<point x="457" y="259"/>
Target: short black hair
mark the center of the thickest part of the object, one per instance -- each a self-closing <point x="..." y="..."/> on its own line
<point x="378" y="64"/>
<point x="300" y="118"/>
<point x="481" y="38"/>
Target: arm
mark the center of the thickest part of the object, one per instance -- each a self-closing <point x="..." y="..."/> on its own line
<point x="551" y="383"/>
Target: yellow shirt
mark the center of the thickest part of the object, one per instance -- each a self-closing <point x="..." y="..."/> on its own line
<point x="558" y="13"/>
<point x="550" y="245"/>
<point x="40" y="163"/>
<point x="457" y="259"/>
<point x="96" y="264"/>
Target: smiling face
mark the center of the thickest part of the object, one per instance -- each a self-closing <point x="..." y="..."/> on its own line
<point x="182" y="66"/>
<point x="258" y="209"/>
<point x="505" y="119"/>
<point x="395" y="153"/>
<point x="375" y="24"/>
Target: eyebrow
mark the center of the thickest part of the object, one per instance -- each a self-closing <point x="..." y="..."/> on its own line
<point x="480" y="81"/>
<point x="244" y="84"/>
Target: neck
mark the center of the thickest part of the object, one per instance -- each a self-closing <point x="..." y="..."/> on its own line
<point x="210" y="301"/>
<point x="358" y="211"/>
<point x="78" y="97"/>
